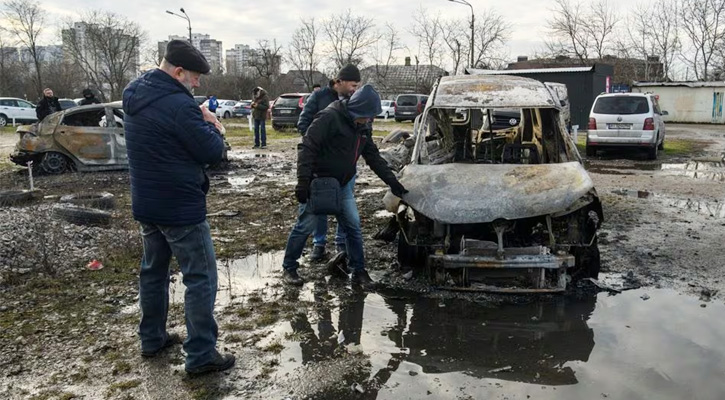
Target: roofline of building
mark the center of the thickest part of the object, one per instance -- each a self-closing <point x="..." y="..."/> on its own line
<point x="679" y="84"/>
<point x="474" y="71"/>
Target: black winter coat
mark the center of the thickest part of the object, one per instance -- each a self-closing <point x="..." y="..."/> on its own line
<point x="168" y="144"/>
<point x="89" y="100"/>
<point x="334" y="143"/>
<point x="47" y="106"/>
<point x="317" y="102"/>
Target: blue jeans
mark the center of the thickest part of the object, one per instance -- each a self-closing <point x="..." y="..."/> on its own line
<point x="194" y="250"/>
<point x="319" y="237"/>
<point x="260" y="129"/>
<point x="306" y="222"/>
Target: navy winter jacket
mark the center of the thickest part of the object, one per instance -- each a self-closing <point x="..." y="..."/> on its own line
<point x="317" y="102"/>
<point x="168" y="144"/>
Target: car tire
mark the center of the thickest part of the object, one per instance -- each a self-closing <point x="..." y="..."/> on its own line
<point x="410" y="257"/>
<point x="652" y="152"/>
<point x="54" y="163"/>
<point x="587" y="262"/>
<point x="661" y="146"/>
<point x="101" y="200"/>
<point x="81" y="215"/>
<point x="226" y="115"/>
<point x="591" y="151"/>
<point x="398" y="120"/>
<point x="15" y="197"/>
<point x="3" y="120"/>
<point x="277" y="128"/>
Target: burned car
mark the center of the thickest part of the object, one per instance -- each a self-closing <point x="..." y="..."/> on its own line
<point x="507" y="210"/>
<point x="85" y="138"/>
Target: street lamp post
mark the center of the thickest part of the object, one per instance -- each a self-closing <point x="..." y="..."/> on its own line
<point x="186" y="17"/>
<point x="473" y="26"/>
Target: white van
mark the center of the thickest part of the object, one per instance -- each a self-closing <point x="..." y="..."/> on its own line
<point x="626" y="120"/>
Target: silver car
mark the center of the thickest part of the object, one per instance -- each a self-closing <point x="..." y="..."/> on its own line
<point x="626" y="120"/>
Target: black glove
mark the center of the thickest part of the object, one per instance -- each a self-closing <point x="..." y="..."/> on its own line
<point x="302" y="190"/>
<point x="398" y="189"/>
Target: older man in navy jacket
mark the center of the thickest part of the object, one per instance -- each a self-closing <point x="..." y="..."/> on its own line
<point x="170" y="140"/>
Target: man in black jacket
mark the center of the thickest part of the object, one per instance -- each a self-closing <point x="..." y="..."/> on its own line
<point x="48" y="105"/>
<point x="340" y="88"/>
<point x="338" y="136"/>
<point x="89" y="98"/>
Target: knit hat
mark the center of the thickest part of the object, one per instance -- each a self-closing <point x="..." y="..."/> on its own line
<point x="349" y="73"/>
<point x="364" y="103"/>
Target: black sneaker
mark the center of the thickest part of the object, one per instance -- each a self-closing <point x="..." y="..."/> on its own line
<point x="318" y="253"/>
<point x="264" y="146"/>
<point x="341" y="248"/>
<point x="291" y="277"/>
<point x="362" y="278"/>
<point x="255" y="147"/>
<point x="220" y="362"/>
<point x="171" y="339"/>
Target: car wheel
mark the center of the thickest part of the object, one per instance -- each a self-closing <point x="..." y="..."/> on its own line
<point x="81" y="215"/>
<point x="3" y="120"/>
<point x="226" y="114"/>
<point x="387" y="115"/>
<point x="15" y="197"/>
<point x="398" y="120"/>
<point x="652" y="153"/>
<point x="54" y="163"/>
<point x="277" y="128"/>
<point x="591" y="151"/>
<point x="587" y="262"/>
<point x="410" y="257"/>
<point x="661" y="146"/>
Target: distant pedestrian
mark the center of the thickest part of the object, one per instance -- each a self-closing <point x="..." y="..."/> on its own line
<point x="169" y="141"/>
<point x="89" y="98"/>
<point x="342" y="87"/>
<point x="338" y="136"/>
<point x="213" y="103"/>
<point x="47" y="105"/>
<point x="260" y="104"/>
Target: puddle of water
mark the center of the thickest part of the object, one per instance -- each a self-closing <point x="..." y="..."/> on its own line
<point x="617" y="169"/>
<point x="712" y="171"/>
<point x="715" y="209"/>
<point x="667" y="347"/>
<point x="247" y="155"/>
<point x="238" y="181"/>
<point x="237" y="277"/>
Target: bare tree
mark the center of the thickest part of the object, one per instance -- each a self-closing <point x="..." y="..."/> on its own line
<point x="388" y="45"/>
<point x="599" y="27"/>
<point x="428" y="31"/>
<point x="304" y="51"/>
<point x="350" y="38"/>
<point x="106" y="46"/>
<point x="267" y="59"/>
<point x="492" y="32"/>
<point x="453" y="33"/>
<point x="666" y="34"/>
<point x="567" y="28"/>
<point x="26" y="21"/>
<point x="703" y="21"/>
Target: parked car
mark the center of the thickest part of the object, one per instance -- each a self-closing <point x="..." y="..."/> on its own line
<point x="225" y="108"/>
<point x="287" y="109"/>
<point x="388" y="107"/>
<point x="18" y="109"/>
<point x="504" y="211"/>
<point x="626" y="120"/>
<point x="242" y="109"/>
<point x="200" y="99"/>
<point x="67" y="103"/>
<point x="409" y="106"/>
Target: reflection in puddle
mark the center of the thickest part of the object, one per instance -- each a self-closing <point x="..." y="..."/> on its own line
<point x="246" y="155"/>
<point x="712" y="171"/>
<point x="666" y="347"/>
<point x="238" y="277"/>
<point x="240" y="180"/>
<point x="714" y="208"/>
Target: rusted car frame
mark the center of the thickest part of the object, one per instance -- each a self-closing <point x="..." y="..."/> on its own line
<point x="510" y="210"/>
<point x="85" y="138"/>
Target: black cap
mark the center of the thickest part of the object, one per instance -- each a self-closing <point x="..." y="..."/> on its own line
<point x="182" y="54"/>
<point x="349" y="73"/>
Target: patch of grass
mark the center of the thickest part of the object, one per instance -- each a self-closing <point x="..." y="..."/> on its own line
<point x="231" y="326"/>
<point x="681" y="147"/>
<point x="243" y="312"/>
<point x="123" y="386"/>
<point x="121" y="368"/>
<point x="275" y="347"/>
<point x="46" y="395"/>
<point x="68" y="396"/>
<point x="234" y="338"/>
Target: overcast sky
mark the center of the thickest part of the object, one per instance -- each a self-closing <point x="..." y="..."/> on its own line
<point x="243" y="22"/>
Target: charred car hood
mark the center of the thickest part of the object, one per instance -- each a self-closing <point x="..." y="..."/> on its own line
<point x="481" y="193"/>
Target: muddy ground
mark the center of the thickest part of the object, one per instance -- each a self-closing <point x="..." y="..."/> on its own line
<point x="69" y="332"/>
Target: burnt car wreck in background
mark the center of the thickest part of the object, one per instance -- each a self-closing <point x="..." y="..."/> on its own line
<point x="508" y="210"/>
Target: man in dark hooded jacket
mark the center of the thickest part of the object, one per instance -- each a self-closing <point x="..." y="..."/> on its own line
<point x="89" y="98"/>
<point x="169" y="140"/>
<point x="342" y="87"/>
<point x="47" y="105"/>
<point x="260" y="104"/>
<point x="338" y="136"/>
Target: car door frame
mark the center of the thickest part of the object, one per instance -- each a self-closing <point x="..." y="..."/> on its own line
<point x="27" y="113"/>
